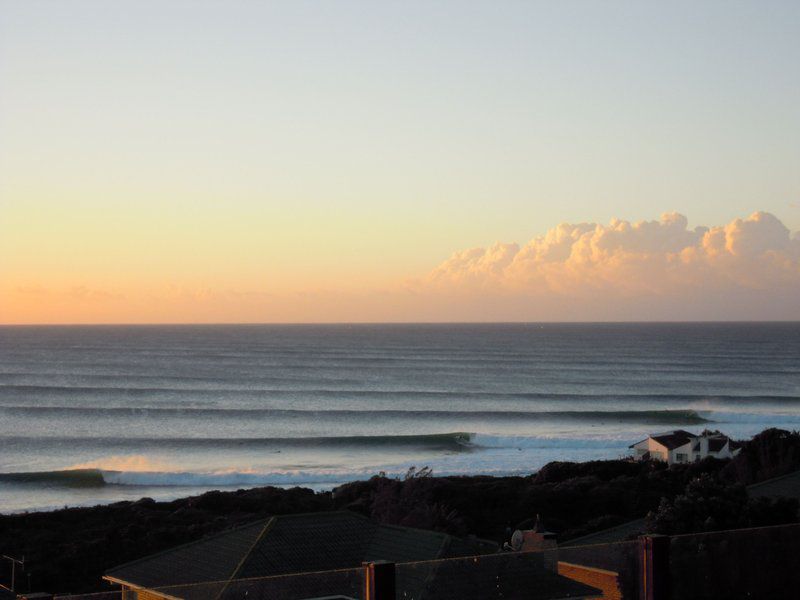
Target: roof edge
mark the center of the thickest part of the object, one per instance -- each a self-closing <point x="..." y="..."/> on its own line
<point x="138" y="587"/>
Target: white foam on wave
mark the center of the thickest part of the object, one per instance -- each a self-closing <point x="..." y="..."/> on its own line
<point x="548" y="443"/>
<point x="492" y="455"/>
<point x="227" y="479"/>
<point x="782" y="419"/>
<point x="130" y="463"/>
<point x="713" y="407"/>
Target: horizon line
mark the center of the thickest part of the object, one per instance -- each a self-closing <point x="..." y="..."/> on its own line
<point x="351" y="323"/>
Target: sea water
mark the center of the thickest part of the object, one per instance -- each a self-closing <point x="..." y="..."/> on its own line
<point x="97" y="414"/>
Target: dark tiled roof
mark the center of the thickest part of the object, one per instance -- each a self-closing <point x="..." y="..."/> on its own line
<point x="612" y="534"/>
<point x="674" y="439"/>
<point x="468" y="546"/>
<point x="293" y="544"/>
<point x="716" y="444"/>
<point x="786" y="486"/>
<point x="401" y="544"/>
<point x="308" y="542"/>
<point x="210" y="559"/>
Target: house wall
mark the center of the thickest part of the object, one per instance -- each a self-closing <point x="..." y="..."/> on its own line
<point x="725" y="452"/>
<point x="685" y="450"/>
<point x="639" y="449"/>
<point x="655" y="449"/>
<point x="606" y="581"/>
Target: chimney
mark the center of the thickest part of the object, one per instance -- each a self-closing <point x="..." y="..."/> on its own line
<point x="539" y="539"/>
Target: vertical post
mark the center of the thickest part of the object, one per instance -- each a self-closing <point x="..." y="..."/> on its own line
<point x="655" y="567"/>
<point x="379" y="580"/>
<point x="14" y="563"/>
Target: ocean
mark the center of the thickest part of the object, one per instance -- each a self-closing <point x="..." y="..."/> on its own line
<point x="98" y="414"/>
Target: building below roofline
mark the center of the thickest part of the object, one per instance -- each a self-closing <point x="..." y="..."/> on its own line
<point x="679" y="446"/>
<point x="324" y="555"/>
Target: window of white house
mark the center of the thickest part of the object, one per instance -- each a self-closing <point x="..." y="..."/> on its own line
<point x="680" y="457"/>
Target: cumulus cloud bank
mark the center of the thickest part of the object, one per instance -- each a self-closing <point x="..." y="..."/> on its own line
<point x="744" y="263"/>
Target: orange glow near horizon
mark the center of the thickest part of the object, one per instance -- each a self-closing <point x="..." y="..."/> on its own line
<point x="748" y="269"/>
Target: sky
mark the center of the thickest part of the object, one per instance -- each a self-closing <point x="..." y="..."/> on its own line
<point x="195" y="161"/>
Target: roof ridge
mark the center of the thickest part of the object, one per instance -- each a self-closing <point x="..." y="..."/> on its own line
<point x="447" y="542"/>
<point x="267" y="526"/>
<point x="414" y="529"/>
<point x="342" y="511"/>
<point x="773" y="479"/>
<point x="602" y="531"/>
<point x="185" y="544"/>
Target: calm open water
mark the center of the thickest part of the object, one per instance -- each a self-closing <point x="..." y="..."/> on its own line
<point x="98" y="414"/>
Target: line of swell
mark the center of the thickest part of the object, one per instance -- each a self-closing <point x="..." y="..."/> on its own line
<point x="675" y="416"/>
<point x="10" y="390"/>
<point x="456" y="441"/>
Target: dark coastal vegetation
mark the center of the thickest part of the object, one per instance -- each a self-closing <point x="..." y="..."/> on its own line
<point x="68" y="550"/>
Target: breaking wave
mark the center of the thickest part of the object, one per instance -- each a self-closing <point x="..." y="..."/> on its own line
<point x="66" y="478"/>
<point x="139" y="470"/>
<point x="94" y="478"/>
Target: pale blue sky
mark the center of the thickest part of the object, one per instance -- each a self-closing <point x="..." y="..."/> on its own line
<point x="371" y="139"/>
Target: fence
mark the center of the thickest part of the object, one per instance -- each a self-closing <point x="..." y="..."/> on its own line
<point x="344" y="583"/>
<point x="746" y="563"/>
<point x="614" y="568"/>
<point x="504" y="575"/>
<point x="509" y="575"/>
<point x="743" y="563"/>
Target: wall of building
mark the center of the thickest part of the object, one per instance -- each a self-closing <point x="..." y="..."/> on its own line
<point x="686" y="450"/>
<point x="655" y="449"/>
<point x="607" y="581"/>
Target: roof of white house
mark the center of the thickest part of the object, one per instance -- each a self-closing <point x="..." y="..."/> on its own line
<point x="670" y="439"/>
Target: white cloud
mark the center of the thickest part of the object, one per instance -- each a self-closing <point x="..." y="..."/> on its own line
<point x="754" y="259"/>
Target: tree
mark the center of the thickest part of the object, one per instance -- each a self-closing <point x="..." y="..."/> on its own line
<point x="771" y="453"/>
<point x="709" y="504"/>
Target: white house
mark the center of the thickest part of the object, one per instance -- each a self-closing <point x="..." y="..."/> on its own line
<point x="681" y="446"/>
